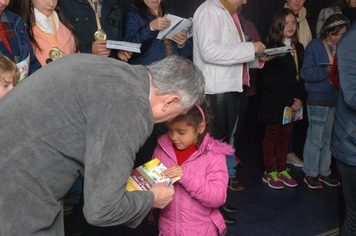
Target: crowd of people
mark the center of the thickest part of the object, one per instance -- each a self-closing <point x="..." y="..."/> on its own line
<point x="80" y="116"/>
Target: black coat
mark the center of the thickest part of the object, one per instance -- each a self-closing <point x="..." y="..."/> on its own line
<point x="280" y="86"/>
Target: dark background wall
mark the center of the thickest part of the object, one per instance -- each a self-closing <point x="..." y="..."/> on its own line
<point x="259" y="12"/>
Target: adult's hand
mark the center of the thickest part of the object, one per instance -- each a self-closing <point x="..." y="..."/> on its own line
<point x="259" y="48"/>
<point x="124" y="55"/>
<point x="297" y="104"/>
<point x="163" y="194"/>
<point x="180" y="38"/>
<point x="160" y="23"/>
<point x="99" y="47"/>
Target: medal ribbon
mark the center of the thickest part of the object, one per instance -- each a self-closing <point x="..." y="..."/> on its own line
<point x="95" y="9"/>
<point x="295" y="57"/>
<point x="53" y="44"/>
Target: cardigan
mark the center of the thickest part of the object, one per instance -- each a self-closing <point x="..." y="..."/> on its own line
<point x="316" y="77"/>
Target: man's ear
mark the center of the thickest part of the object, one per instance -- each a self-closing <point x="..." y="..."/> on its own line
<point x="169" y="100"/>
<point x="201" y="127"/>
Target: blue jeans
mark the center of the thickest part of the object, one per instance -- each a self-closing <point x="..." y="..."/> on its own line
<point x="317" y="154"/>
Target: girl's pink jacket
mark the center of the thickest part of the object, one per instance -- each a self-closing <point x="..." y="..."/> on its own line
<point x="199" y="192"/>
<point x="65" y="42"/>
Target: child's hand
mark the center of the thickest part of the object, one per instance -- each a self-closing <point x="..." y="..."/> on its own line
<point x="173" y="172"/>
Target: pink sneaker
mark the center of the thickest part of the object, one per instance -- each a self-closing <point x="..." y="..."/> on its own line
<point x="272" y="180"/>
<point x="285" y="178"/>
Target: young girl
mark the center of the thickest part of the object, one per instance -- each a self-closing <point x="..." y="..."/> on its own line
<point x="321" y="102"/>
<point x="282" y="87"/>
<point x="191" y="153"/>
<point x="51" y="34"/>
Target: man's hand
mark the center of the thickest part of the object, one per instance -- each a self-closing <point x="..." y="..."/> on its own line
<point x="163" y="194"/>
<point x="267" y="58"/>
<point x="99" y="47"/>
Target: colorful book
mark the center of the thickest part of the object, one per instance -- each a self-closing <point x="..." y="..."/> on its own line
<point x="290" y="116"/>
<point x="145" y="176"/>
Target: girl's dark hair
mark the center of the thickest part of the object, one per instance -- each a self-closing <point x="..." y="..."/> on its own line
<point x="334" y="24"/>
<point x="25" y="9"/>
<point x="143" y="8"/>
<point x="275" y="37"/>
<point x="194" y="118"/>
<point x="338" y="3"/>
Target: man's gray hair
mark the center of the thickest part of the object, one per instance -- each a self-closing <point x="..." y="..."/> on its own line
<point x="177" y="75"/>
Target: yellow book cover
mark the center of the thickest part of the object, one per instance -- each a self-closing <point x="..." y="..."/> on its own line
<point x="143" y="177"/>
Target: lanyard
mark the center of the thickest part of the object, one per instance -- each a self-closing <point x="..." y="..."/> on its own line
<point x="295" y="57"/>
<point x="331" y="58"/>
<point x="94" y="6"/>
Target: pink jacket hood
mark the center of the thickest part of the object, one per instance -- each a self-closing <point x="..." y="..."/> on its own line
<point x="199" y="192"/>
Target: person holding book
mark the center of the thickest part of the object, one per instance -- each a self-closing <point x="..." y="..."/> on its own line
<point x="51" y="34"/>
<point x="321" y="101"/>
<point x="9" y="75"/>
<point x="73" y="118"/>
<point x="223" y="55"/>
<point x="282" y="87"/>
<point x="189" y="152"/>
<point x="143" y="21"/>
<point x="15" y="43"/>
<point x="95" y="21"/>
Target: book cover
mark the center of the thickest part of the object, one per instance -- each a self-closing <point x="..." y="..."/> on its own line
<point x="145" y="176"/>
<point x="291" y="116"/>
<point x="124" y="46"/>
<point x="178" y="24"/>
<point x="280" y="51"/>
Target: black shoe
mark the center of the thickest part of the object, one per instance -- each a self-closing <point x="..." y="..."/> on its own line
<point x="228" y="220"/>
<point x="228" y="208"/>
<point x="330" y="181"/>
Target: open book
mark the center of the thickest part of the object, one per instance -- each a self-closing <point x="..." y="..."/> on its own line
<point x="178" y="24"/>
<point x="291" y="116"/>
<point x="143" y="177"/>
<point x="124" y="46"/>
<point x="280" y="51"/>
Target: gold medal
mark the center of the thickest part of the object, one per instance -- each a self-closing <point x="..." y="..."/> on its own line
<point x="55" y="53"/>
<point x="100" y="35"/>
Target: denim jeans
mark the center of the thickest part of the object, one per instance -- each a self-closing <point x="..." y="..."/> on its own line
<point x="225" y="108"/>
<point x="317" y="154"/>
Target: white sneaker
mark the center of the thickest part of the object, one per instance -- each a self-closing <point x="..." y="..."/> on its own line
<point x="294" y="160"/>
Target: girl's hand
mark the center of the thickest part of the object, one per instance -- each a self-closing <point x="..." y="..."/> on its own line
<point x="160" y="23"/>
<point x="124" y="55"/>
<point x="296" y="105"/>
<point x="99" y="47"/>
<point x="180" y="38"/>
<point x="173" y="172"/>
<point x="328" y="68"/>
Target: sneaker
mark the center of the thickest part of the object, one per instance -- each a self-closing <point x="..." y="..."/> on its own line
<point x="294" y="160"/>
<point x="234" y="185"/>
<point x="313" y="182"/>
<point x="285" y="178"/>
<point x="330" y="181"/>
<point x="272" y="180"/>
